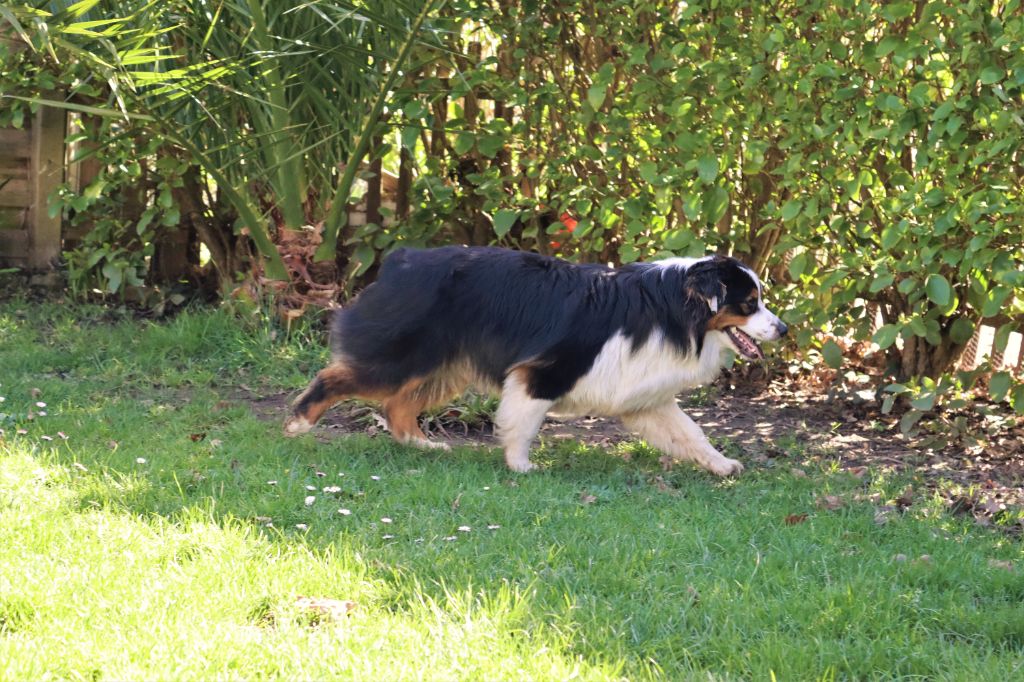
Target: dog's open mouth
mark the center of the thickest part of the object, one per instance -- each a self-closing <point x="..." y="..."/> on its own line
<point x="747" y="347"/>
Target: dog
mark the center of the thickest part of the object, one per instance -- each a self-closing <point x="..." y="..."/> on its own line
<point x="549" y="336"/>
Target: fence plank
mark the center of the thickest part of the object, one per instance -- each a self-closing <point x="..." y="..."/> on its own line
<point x="15" y="193"/>
<point x="48" y="131"/>
<point x="15" y="143"/>
<point x="13" y="247"/>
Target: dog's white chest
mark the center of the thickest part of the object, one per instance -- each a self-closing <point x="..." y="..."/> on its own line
<point x="623" y="380"/>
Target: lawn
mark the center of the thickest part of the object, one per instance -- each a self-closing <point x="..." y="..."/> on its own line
<point x="152" y="526"/>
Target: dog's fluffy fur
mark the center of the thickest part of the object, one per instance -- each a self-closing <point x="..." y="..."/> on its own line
<point x="549" y="336"/>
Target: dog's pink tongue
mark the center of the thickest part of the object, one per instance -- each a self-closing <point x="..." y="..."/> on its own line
<point x="746" y="345"/>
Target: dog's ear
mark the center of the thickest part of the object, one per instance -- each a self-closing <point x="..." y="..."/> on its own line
<point x="704" y="281"/>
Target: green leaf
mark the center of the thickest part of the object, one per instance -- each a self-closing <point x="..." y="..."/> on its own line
<point x="707" y="168"/>
<point x="999" y="385"/>
<point x="991" y="74"/>
<point x="410" y="134"/>
<point x="925" y="401"/>
<point x="791" y="209"/>
<point x="504" y="220"/>
<point x="909" y="421"/>
<point x="464" y="141"/>
<point x="961" y="331"/>
<point x="798" y="265"/>
<point x="938" y="290"/>
<point x="880" y="282"/>
<point x="114" y="275"/>
<point x="489" y="145"/>
<point x="649" y="173"/>
<point x="994" y="300"/>
<point x="1017" y="398"/>
<point x="596" y="94"/>
<point x="832" y="353"/>
<point x="716" y="203"/>
<point x="886" y="335"/>
<point x="364" y="256"/>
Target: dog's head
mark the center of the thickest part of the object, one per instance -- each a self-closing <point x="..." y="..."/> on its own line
<point x="732" y="293"/>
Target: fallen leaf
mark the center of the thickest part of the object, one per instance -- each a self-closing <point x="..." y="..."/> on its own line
<point x="666" y="462"/>
<point x="196" y="437"/>
<point x="798" y="473"/>
<point x="906" y="499"/>
<point x="456" y="502"/>
<point x="587" y="498"/>
<point x="1000" y="563"/>
<point x="858" y="472"/>
<point x="321" y="609"/>
<point x="794" y="519"/>
<point x="900" y="558"/>
<point x="829" y="502"/>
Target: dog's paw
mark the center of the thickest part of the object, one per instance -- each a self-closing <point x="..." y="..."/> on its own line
<point x="430" y="444"/>
<point x="296" y="426"/>
<point x="522" y="467"/>
<point x="725" y="467"/>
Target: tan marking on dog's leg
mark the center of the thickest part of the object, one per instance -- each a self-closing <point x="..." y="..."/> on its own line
<point x="518" y="419"/>
<point x="331" y="385"/>
<point x="403" y="408"/>
<point x="402" y="411"/>
<point x="669" y="429"/>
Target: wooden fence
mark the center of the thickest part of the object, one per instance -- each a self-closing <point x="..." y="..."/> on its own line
<point x="31" y="167"/>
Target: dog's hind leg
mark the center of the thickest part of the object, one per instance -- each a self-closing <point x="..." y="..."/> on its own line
<point x="671" y="431"/>
<point x="402" y="411"/>
<point x="331" y="385"/>
<point x="518" y="420"/>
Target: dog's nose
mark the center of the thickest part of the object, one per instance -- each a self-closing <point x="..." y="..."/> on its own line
<point x="781" y="328"/>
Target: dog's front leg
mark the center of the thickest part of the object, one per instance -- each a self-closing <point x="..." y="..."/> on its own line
<point x="671" y="431"/>
<point x="518" y="420"/>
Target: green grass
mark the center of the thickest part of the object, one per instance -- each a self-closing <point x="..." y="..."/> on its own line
<point x="139" y="547"/>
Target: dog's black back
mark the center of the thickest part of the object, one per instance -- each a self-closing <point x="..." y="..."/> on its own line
<point x="498" y="308"/>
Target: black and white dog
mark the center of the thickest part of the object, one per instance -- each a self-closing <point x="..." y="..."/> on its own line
<point x="549" y="336"/>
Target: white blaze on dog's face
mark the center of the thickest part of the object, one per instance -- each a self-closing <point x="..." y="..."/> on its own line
<point x="739" y="311"/>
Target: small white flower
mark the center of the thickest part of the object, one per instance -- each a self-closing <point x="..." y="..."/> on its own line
<point x="310" y="488"/>
<point x="493" y="526"/>
<point x="487" y="487"/>
<point x="140" y="460"/>
<point x="387" y="537"/>
<point x="450" y="538"/>
<point x="271" y="482"/>
<point x="464" y="529"/>
<point x="332" y="489"/>
<point x="63" y="435"/>
<point x="345" y="512"/>
<point x="40" y="404"/>
<point x="46" y="437"/>
<point x="385" y="520"/>
<point x="310" y="499"/>
<point x="42" y="413"/>
<point x="374" y="478"/>
<point x="301" y="526"/>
